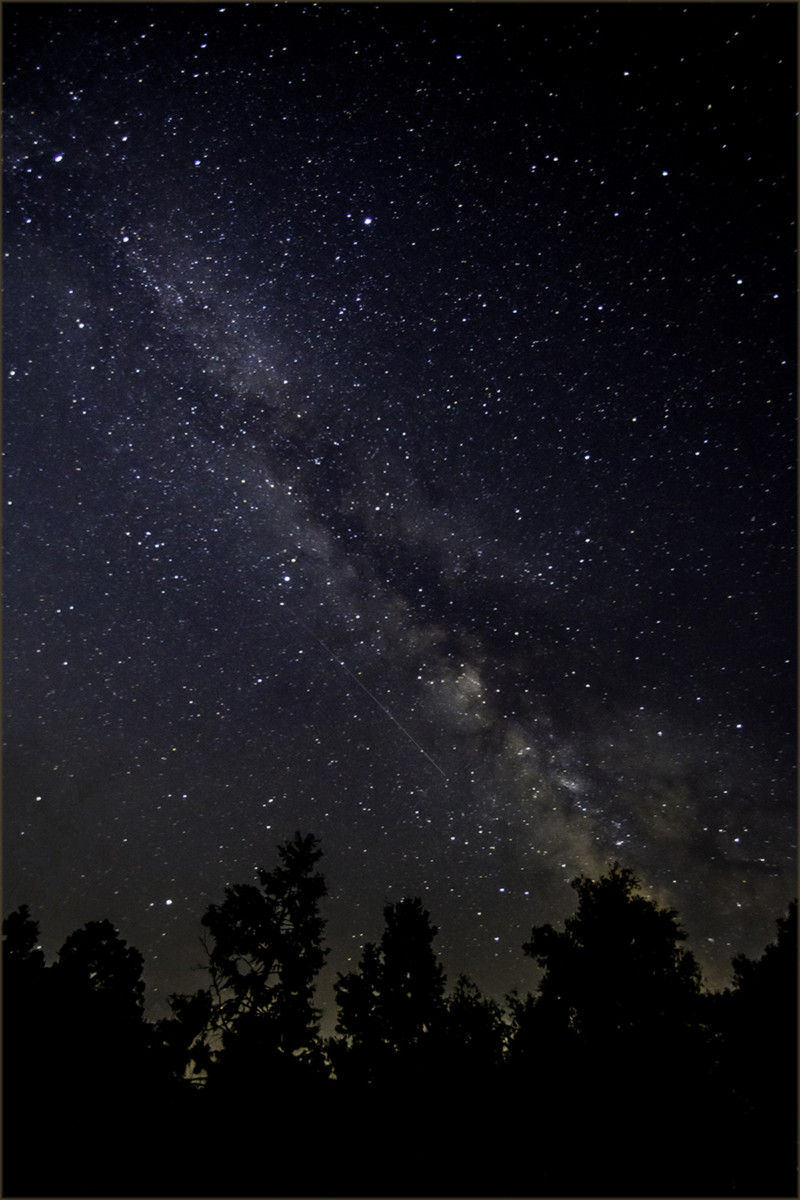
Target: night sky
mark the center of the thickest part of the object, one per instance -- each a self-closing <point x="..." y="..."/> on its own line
<point x="399" y="430"/>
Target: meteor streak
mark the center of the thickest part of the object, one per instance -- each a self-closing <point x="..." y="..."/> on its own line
<point x="363" y="687"/>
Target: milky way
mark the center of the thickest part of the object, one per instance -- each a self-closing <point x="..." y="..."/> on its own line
<point x="399" y="445"/>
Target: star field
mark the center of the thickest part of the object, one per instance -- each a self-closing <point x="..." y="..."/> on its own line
<point x="399" y="432"/>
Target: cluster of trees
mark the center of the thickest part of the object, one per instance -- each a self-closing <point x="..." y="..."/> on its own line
<point x="621" y="1076"/>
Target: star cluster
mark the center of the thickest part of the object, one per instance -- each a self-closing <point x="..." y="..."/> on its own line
<point x="399" y="445"/>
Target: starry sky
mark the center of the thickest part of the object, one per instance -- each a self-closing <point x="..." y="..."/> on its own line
<point x="399" y="445"/>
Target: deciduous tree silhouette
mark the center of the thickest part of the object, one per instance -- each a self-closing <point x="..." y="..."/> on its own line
<point x="618" y="1077"/>
<point x="389" y="1013"/>
<point x="24" y="1009"/>
<point x="621" y="995"/>
<point x="23" y="958"/>
<point x="472" y="1038"/>
<point x="757" y="1020"/>
<point x="411" y="979"/>
<point x="179" y="1044"/>
<point x="767" y="987"/>
<point x="97" y="1000"/>
<point x="89" y="1068"/>
<point x="618" y="970"/>
<point x="264" y="955"/>
<point x="23" y="989"/>
<point x="395" y="998"/>
<point x="102" y="974"/>
<point x="463" y="1093"/>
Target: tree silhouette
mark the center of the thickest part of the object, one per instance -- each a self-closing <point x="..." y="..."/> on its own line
<point x="23" y="990"/>
<point x="619" y="1001"/>
<point x="390" y="1012"/>
<point x="97" y="1003"/>
<point x="101" y="973"/>
<point x="619" y="1076"/>
<point x="411" y="979"/>
<point x="472" y="1039"/>
<point x="265" y="953"/>
<point x="23" y="958"/>
<point x="86" y="1068"/>
<point x="179" y="1044"/>
<point x="757" y="1020"/>
<point x="24" y="1010"/>
<point x="395" y="998"/>
<point x="770" y="982"/>
<point x="618" y="968"/>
